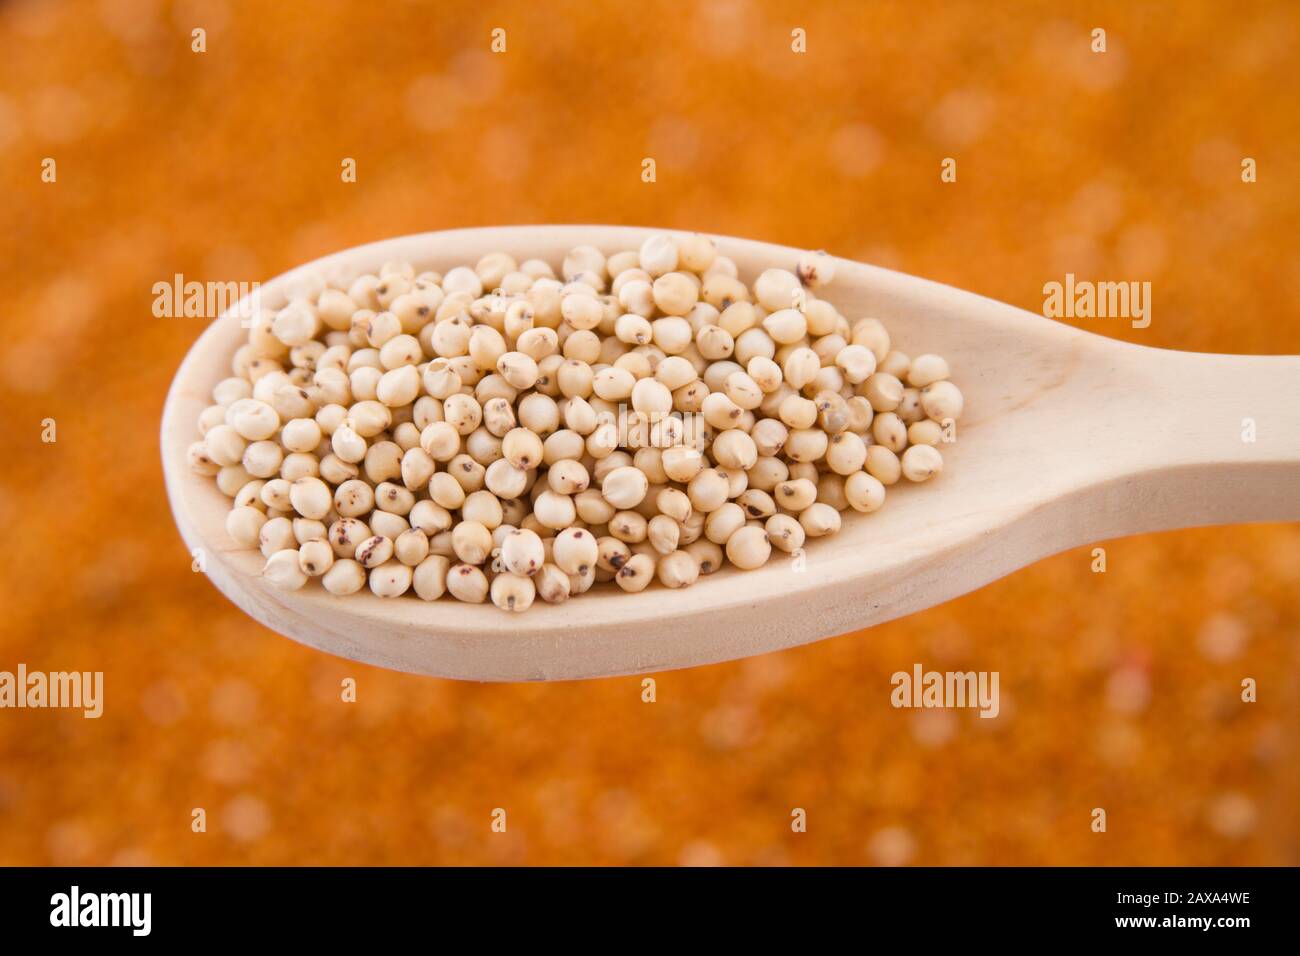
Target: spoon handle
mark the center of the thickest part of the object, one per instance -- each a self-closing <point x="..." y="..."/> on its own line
<point x="1221" y="441"/>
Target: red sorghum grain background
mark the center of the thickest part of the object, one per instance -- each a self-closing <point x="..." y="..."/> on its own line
<point x="1119" y="690"/>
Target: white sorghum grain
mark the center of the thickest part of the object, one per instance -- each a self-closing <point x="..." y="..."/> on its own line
<point x="888" y="429"/>
<point x="794" y="494"/>
<point x="554" y="510"/>
<point x="629" y="526"/>
<point x="708" y="490"/>
<point x="897" y="364"/>
<point x="758" y="504"/>
<point x="310" y="530"/>
<point x="467" y="583"/>
<point x="883" y="391"/>
<point x="857" y="362"/>
<point x="224" y="445"/>
<point x="522" y="552"/>
<point x="244" y="525"/>
<point x="658" y="255"/>
<point x="411" y="547"/>
<point x="942" y="400"/>
<point x="575" y="550"/>
<point x="678" y="569"/>
<point x="708" y="556"/>
<point x="250" y="494"/>
<point x="276" y="535"/>
<point x="315" y="557"/>
<point x="786" y="326"/>
<point x="819" y="519"/>
<point x="390" y="579"/>
<point x="883" y="464"/>
<point x="748" y="547"/>
<point x="777" y="289"/>
<point x="663" y="533"/>
<point x="635" y="573"/>
<point x="921" y="462"/>
<point x="785" y="532"/>
<point x="846" y="453"/>
<point x="484" y="508"/>
<point x="611" y="554"/>
<point x="262" y="459"/>
<point x="926" y="370"/>
<point x="374" y="551"/>
<point x="723" y="522"/>
<point x="553" y="585"/>
<point x="310" y="497"/>
<point x="568" y="477"/>
<point x="925" y="432"/>
<point x="253" y="420"/>
<point x="624" y="487"/>
<point x="429" y="579"/>
<point x="347" y="444"/>
<point x="387" y="525"/>
<point x="200" y="461"/>
<point x="345" y="576"/>
<point x="513" y="592"/>
<point x="816" y="269"/>
<point x="508" y="430"/>
<point x="864" y="492"/>
<point x="471" y="542"/>
<point x="909" y="410"/>
<point x="283" y="571"/>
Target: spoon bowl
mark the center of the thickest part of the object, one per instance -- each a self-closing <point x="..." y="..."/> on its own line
<point x="1067" y="438"/>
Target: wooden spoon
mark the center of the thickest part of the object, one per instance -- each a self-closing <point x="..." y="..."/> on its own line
<point x="1067" y="438"/>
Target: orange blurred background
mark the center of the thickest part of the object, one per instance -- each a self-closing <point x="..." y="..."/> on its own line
<point x="1119" y="690"/>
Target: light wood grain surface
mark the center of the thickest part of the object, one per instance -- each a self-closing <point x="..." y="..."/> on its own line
<point x="1067" y="438"/>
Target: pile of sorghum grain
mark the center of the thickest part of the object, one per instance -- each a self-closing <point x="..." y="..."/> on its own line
<point x="501" y="431"/>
